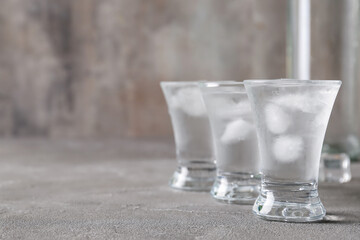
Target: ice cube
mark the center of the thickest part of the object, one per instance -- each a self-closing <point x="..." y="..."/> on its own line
<point x="299" y="102"/>
<point x="326" y="96"/>
<point x="243" y="107"/>
<point x="233" y="109"/>
<point x="288" y="148"/>
<point x="276" y="119"/>
<point x="236" y="131"/>
<point x="190" y="101"/>
<point x="220" y="103"/>
<point x="321" y="118"/>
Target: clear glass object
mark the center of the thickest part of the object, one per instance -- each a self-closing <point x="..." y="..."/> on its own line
<point x="291" y="117"/>
<point x="194" y="144"/>
<point x="336" y="32"/>
<point x="335" y="168"/>
<point x="342" y="136"/>
<point x="236" y="147"/>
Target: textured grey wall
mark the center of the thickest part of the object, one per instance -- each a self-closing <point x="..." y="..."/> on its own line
<point x="85" y="68"/>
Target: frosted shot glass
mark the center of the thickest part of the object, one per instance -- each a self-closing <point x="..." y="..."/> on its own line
<point x="196" y="169"/>
<point x="291" y="118"/>
<point x="236" y="146"/>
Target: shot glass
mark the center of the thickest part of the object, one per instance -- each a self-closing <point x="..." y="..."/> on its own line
<point x="194" y="143"/>
<point x="236" y="146"/>
<point x="291" y="117"/>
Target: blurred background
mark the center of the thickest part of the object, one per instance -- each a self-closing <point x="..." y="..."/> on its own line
<point x="91" y="69"/>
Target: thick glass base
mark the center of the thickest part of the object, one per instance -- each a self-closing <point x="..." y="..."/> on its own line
<point x="236" y="188"/>
<point x="199" y="177"/>
<point x="289" y="202"/>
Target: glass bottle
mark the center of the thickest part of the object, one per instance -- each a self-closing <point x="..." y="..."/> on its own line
<point x="335" y="40"/>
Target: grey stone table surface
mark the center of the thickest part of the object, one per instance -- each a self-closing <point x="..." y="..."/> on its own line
<point x="117" y="189"/>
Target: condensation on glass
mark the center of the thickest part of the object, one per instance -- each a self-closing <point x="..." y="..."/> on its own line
<point x="235" y="141"/>
<point x="291" y="118"/>
<point x="335" y="54"/>
<point x="194" y="144"/>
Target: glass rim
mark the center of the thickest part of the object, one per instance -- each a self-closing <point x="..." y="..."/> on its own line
<point x="228" y="86"/>
<point x="180" y="82"/>
<point x="225" y="83"/>
<point x="199" y="81"/>
<point x="288" y="81"/>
